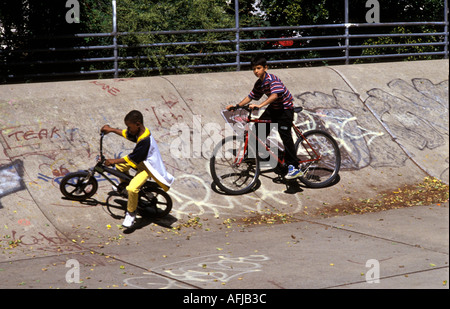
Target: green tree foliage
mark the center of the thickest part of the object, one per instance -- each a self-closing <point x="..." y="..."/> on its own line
<point x="296" y="12"/>
<point x="163" y="53"/>
<point x="302" y="12"/>
<point x="405" y="11"/>
<point x="410" y="45"/>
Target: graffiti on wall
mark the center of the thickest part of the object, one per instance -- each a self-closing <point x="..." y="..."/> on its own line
<point x="409" y="111"/>
<point x="11" y="178"/>
<point x="417" y="115"/>
<point x="414" y="114"/>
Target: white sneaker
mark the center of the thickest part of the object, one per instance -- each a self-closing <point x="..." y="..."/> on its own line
<point x="130" y="217"/>
<point x="293" y="173"/>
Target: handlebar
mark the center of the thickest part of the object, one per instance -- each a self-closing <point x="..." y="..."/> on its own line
<point x="245" y="108"/>
<point x="297" y="109"/>
<point x="102" y="157"/>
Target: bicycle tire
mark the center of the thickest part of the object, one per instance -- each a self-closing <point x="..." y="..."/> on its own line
<point x="81" y="190"/>
<point x="322" y="173"/>
<point x="233" y="171"/>
<point x="154" y="202"/>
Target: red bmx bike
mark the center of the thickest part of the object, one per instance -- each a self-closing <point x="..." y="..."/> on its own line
<point x="235" y="161"/>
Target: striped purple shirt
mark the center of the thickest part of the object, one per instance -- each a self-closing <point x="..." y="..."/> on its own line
<point x="272" y="84"/>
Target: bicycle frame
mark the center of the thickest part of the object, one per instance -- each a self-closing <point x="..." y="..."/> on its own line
<point x="311" y="151"/>
<point x="103" y="170"/>
<point x="317" y="156"/>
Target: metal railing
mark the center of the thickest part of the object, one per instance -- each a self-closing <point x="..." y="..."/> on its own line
<point x="114" y="58"/>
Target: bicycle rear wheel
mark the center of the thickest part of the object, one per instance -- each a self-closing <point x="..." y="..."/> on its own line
<point x="323" y="158"/>
<point x="154" y="202"/>
<point x="234" y="169"/>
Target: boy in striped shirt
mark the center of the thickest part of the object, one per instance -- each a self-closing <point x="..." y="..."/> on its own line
<point x="280" y="109"/>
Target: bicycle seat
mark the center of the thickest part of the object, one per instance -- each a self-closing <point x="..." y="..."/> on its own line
<point x="298" y="109"/>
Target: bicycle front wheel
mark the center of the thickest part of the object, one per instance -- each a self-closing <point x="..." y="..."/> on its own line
<point x="78" y="186"/>
<point x="234" y="167"/>
<point x="321" y="158"/>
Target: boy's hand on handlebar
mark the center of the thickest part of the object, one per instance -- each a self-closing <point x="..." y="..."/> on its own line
<point x="234" y="107"/>
<point x="108" y="162"/>
<point x="106" y="129"/>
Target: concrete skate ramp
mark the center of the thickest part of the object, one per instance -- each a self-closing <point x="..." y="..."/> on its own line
<point x="391" y="122"/>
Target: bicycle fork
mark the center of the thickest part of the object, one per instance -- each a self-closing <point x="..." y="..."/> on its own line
<point x="240" y="155"/>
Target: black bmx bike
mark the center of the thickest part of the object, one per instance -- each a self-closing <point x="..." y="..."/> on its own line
<point x="82" y="185"/>
<point x="235" y="161"/>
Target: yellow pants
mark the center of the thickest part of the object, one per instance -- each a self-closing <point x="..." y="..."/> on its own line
<point x="135" y="184"/>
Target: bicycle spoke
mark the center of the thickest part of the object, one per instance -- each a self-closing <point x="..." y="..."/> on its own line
<point x="154" y="202"/>
<point x="78" y="186"/>
<point x="321" y="155"/>
<point x="73" y="191"/>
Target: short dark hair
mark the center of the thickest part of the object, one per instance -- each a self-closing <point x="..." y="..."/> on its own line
<point x="258" y="60"/>
<point x="134" y="117"/>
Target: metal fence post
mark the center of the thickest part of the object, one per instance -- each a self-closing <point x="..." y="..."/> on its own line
<point x="347" y="40"/>
<point x="446" y="29"/>
<point x="238" y="47"/>
<point x="114" y="33"/>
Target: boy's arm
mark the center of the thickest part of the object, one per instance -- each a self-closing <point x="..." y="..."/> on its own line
<point x="107" y="129"/>
<point x="269" y="100"/>
<point x="109" y="162"/>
